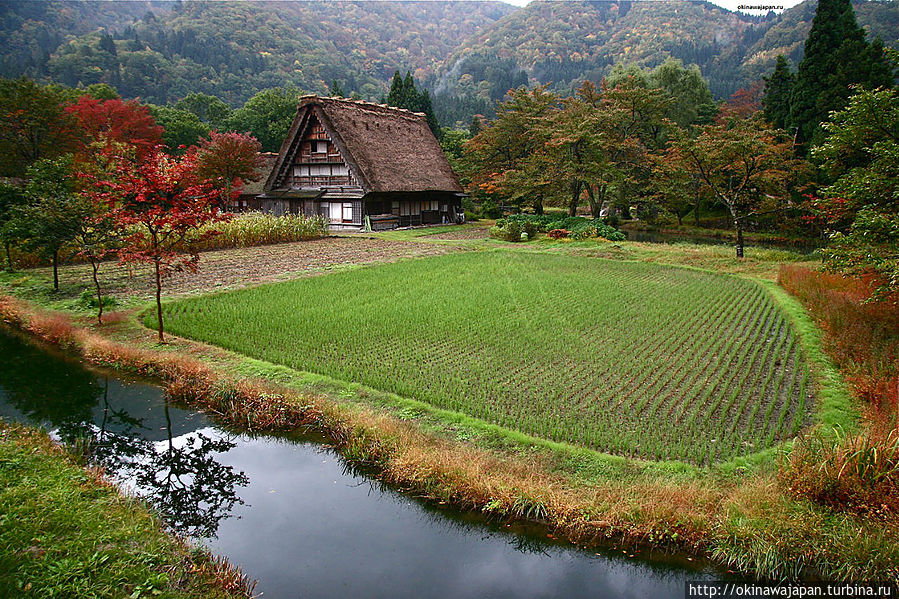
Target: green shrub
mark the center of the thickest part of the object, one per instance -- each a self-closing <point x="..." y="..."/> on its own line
<point x="89" y="299"/>
<point x="512" y="230"/>
<point x="579" y="227"/>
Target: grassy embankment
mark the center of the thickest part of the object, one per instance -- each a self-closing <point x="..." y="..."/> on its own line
<point x="739" y="512"/>
<point x="65" y="532"/>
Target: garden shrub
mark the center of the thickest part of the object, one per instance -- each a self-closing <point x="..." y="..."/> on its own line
<point x="512" y="230"/>
<point x="578" y="227"/>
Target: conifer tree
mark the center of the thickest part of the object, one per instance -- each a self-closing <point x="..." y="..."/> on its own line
<point x="776" y="103"/>
<point x="836" y="56"/>
<point x="404" y="94"/>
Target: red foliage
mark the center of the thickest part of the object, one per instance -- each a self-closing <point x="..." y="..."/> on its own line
<point x="230" y="159"/>
<point x="165" y="199"/>
<point x="743" y="103"/>
<point x="108" y="121"/>
<point x="162" y="199"/>
<point x="862" y="337"/>
<point x="559" y="233"/>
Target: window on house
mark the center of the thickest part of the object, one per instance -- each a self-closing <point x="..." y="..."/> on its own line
<point x="347" y="212"/>
<point x="395" y="208"/>
<point x="319" y="147"/>
<point x="335" y="212"/>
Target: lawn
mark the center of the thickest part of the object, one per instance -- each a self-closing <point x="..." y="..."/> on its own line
<point x="631" y="358"/>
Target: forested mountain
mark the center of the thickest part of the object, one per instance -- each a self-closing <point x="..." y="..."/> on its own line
<point x="467" y="53"/>
<point x="162" y="51"/>
<point x="564" y="43"/>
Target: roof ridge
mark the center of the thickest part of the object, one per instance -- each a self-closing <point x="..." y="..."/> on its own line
<point x="311" y="98"/>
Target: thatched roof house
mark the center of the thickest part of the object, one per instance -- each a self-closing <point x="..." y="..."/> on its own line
<point x="361" y="164"/>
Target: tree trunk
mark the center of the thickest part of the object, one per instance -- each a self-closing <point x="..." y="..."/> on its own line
<point x="575" y="198"/>
<point x="538" y="205"/>
<point x="95" y="266"/>
<point x="8" y="257"/>
<point x="158" y="300"/>
<point x="680" y="219"/>
<point x="696" y="213"/>
<point x="56" y="270"/>
<point x="739" y="227"/>
<point x="595" y="206"/>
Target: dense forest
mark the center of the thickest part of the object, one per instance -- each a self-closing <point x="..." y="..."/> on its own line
<point x="468" y="55"/>
<point x="566" y="43"/>
<point x="161" y="52"/>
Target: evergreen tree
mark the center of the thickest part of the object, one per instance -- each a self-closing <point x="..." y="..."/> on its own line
<point x="404" y="94"/>
<point x="336" y="90"/>
<point x="836" y="57"/>
<point x="776" y="103"/>
<point x="396" y="97"/>
<point x="410" y="92"/>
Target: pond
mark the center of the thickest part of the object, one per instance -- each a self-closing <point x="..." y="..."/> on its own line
<point x="292" y="514"/>
<point x="662" y="237"/>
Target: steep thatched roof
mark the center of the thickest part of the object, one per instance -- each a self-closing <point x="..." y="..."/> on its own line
<point x="255" y="188"/>
<point x="388" y="149"/>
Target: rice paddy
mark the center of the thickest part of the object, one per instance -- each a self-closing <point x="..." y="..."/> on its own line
<point x="629" y="358"/>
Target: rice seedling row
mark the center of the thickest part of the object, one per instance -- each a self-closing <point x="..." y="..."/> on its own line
<point x="635" y="359"/>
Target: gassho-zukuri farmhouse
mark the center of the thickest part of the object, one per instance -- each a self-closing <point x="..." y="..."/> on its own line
<point x="361" y="166"/>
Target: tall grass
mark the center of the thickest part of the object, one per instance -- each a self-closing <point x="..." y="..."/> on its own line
<point x="259" y="228"/>
<point x="244" y="230"/>
<point x="860" y="471"/>
<point x="862" y="337"/>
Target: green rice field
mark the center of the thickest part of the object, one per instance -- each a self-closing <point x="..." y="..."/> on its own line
<point x="629" y="358"/>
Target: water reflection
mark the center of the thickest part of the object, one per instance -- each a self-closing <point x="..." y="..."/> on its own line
<point x="146" y="444"/>
<point x="291" y="513"/>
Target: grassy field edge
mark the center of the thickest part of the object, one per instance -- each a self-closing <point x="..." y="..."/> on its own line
<point x="65" y="531"/>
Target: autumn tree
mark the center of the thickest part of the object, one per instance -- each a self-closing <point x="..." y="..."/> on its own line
<point x="229" y="159"/>
<point x="505" y="145"/>
<point x="163" y="200"/>
<point x="33" y="125"/>
<point x="861" y="208"/>
<point x="109" y="121"/>
<point x="743" y="103"/>
<point x="677" y="190"/>
<point x="743" y="165"/>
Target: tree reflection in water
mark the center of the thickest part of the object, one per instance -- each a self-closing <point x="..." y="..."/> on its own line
<point x="181" y="478"/>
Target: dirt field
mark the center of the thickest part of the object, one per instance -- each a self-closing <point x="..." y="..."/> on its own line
<point x="235" y="268"/>
<point x="465" y="235"/>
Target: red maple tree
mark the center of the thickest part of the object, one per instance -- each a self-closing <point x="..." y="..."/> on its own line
<point x="161" y="202"/>
<point x="105" y="122"/>
<point x="230" y="159"/>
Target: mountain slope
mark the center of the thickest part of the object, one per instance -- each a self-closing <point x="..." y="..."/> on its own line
<point x="563" y="43"/>
<point x="234" y="49"/>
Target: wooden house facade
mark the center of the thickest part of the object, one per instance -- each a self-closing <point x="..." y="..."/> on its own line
<point x="362" y="165"/>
